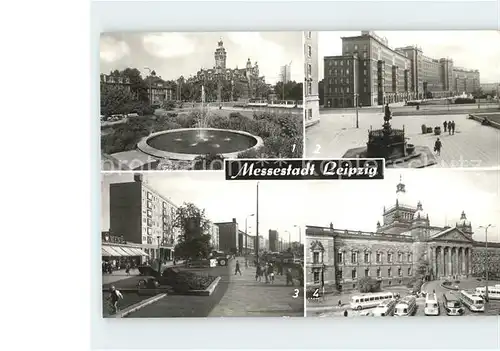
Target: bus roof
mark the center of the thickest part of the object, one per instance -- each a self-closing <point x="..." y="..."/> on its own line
<point x="387" y="293"/>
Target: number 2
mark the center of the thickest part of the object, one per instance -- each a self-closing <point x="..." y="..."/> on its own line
<point x="296" y="293"/>
<point x="318" y="147"/>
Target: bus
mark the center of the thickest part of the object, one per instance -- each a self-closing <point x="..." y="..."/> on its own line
<point x="474" y="302"/>
<point x="452" y="305"/>
<point x="407" y="306"/>
<point x="385" y="308"/>
<point x="370" y="300"/>
<point x="493" y="292"/>
<point x="431" y="305"/>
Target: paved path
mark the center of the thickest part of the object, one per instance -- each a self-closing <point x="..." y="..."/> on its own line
<point x="246" y="297"/>
<point x="473" y="145"/>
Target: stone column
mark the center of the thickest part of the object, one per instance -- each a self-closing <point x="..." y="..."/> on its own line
<point x="448" y="261"/>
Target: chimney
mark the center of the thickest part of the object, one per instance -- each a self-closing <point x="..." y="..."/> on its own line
<point x="138" y="177"/>
<point x="234" y="220"/>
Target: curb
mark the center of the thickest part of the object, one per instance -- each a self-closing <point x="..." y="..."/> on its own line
<point x="138" y="306"/>
<point x="206" y="292"/>
<point x="312" y="123"/>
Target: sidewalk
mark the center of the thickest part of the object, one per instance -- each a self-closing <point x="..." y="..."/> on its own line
<point x="246" y="297"/>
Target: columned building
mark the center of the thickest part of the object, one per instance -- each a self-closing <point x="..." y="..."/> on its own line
<point x="404" y="245"/>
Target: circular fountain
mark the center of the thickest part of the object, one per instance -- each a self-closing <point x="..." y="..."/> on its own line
<point x="188" y="143"/>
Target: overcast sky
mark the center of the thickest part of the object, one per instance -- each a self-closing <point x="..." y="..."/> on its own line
<point x="470" y="49"/>
<point x="174" y="54"/>
<point x="355" y="205"/>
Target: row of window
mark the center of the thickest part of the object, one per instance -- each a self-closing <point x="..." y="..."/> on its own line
<point x="354" y="273"/>
<point x="367" y="256"/>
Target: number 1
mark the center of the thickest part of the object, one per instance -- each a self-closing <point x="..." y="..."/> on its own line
<point x="293" y="148"/>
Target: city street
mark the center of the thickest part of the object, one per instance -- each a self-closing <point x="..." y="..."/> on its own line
<point x="329" y="308"/>
<point x="235" y="296"/>
<point x="473" y="145"/>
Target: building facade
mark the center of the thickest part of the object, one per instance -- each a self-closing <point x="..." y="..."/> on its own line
<point x="245" y="80"/>
<point x="492" y="89"/>
<point x="369" y="73"/>
<point x="246" y="242"/>
<point x="274" y="241"/>
<point x="403" y="245"/>
<point x="140" y="215"/>
<point x="159" y="90"/>
<point x="311" y="80"/>
<point x="213" y="231"/>
<point x="228" y="236"/>
<point x="286" y="73"/>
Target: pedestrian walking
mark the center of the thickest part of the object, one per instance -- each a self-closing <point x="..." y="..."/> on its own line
<point x="445" y="125"/>
<point x="127" y="269"/>
<point x="340" y="303"/>
<point x="271" y="273"/>
<point x="266" y="273"/>
<point x="449" y="128"/>
<point x="437" y="146"/>
<point x="237" y="268"/>
<point x="453" y="127"/>
<point x="258" y="274"/>
<point x="346" y="313"/>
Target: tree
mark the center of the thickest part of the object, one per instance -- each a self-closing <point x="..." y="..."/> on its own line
<point x="292" y="90"/>
<point x="114" y="99"/>
<point x="137" y="85"/>
<point x="194" y="240"/>
<point x="368" y="285"/>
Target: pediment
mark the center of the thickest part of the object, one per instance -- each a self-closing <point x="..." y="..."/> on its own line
<point x="317" y="246"/>
<point x="453" y="234"/>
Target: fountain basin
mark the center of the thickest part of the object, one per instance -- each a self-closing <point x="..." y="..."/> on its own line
<point x="188" y="143"/>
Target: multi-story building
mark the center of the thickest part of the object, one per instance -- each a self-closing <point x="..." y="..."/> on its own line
<point x="286" y="73"/>
<point x="114" y="79"/>
<point x="492" y="89"/>
<point x="262" y="244"/>
<point x="213" y="231"/>
<point x="141" y="215"/>
<point x="274" y="241"/>
<point x="245" y="80"/>
<point x="246" y="243"/>
<point x="404" y="245"/>
<point x="160" y="90"/>
<point x="369" y="72"/>
<point x="228" y="236"/>
<point x="311" y="80"/>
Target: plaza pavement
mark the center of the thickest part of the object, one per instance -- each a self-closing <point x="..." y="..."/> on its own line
<point x="245" y="297"/>
<point x="331" y="309"/>
<point x="473" y="144"/>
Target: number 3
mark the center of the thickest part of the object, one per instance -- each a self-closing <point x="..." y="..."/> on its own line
<point x="295" y="293"/>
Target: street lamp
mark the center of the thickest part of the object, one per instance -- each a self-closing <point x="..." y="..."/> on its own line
<point x="486" y="257"/>
<point x="246" y="231"/>
<point x="159" y="256"/>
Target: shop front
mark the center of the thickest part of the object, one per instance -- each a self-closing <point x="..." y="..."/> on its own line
<point x="118" y="256"/>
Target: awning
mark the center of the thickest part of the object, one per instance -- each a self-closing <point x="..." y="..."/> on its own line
<point x="129" y="251"/>
<point x="140" y="252"/>
<point x="110" y="251"/>
<point x="121" y="250"/>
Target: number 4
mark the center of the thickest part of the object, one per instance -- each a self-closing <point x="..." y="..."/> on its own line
<point x="316" y="293"/>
